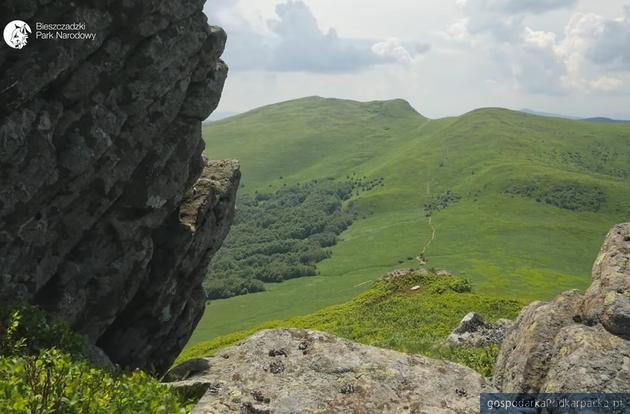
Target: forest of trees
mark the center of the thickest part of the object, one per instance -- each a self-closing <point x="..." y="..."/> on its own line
<point x="568" y="196"/>
<point x="282" y="235"/>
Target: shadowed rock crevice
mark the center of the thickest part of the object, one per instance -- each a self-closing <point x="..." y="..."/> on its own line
<point x="109" y="215"/>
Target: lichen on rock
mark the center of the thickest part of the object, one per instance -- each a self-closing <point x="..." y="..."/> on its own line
<point x="271" y="372"/>
<point x="576" y="343"/>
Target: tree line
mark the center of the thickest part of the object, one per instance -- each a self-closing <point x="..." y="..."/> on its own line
<point x="282" y="235"/>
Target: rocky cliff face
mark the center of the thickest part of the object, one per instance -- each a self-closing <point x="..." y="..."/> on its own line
<point x="108" y="212"/>
<point x="577" y="342"/>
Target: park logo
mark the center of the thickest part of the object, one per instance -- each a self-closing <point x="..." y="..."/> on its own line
<point x="16" y="34"/>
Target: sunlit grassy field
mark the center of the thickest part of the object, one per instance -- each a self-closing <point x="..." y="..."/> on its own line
<point x="505" y="244"/>
<point x="392" y="315"/>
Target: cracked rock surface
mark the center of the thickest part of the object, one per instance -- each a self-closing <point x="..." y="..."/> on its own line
<point x="301" y="371"/>
<point x="109" y="214"/>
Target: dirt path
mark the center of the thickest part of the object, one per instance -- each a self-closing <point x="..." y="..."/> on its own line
<point x="422" y="258"/>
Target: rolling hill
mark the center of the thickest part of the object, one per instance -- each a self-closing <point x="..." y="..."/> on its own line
<point x="519" y="203"/>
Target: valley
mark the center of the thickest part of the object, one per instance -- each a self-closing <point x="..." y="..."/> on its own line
<point x="512" y="172"/>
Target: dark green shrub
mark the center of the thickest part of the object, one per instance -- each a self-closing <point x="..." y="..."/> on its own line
<point x="54" y="383"/>
<point x="26" y="330"/>
<point x="441" y="201"/>
<point x="42" y="372"/>
<point x="568" y="196"/>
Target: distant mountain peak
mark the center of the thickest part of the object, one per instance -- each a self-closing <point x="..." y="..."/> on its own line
<point x="595" y="120"/>
<point x="604" y="120"/>
<point x="548" y="114"/>
<point x="394" y="108"/>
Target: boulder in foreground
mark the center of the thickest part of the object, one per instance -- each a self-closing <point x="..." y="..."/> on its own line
<point x="291" y="371"/>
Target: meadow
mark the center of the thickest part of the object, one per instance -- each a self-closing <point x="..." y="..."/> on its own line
<point x="525" y="245"/>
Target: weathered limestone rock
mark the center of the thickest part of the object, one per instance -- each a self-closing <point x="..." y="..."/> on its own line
<point x="575" y="343"/>
<point x="104" y="219"/>
<point x="474" y="332"/>
<point x="296" y="371"/>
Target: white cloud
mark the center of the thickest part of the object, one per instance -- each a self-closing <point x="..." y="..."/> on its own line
<point x="458" y="30"/>
<point x="579" y="58"/>
<point x="513" y="53"/>
<point x="595" y="54"/>
<point x="302" y="46"/>
<point x="500" y="19"/>
<point x="540" y="39"/>
<point x="393" y="48"/>
<point x="294" y="42"/>
<point x="607" y="42"/>
<point x="516" y="6"/>
<point x="606" y="84"/>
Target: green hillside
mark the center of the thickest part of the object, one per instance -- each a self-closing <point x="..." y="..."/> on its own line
<point x="534" y="197"/>
<point x="411" y="312"/>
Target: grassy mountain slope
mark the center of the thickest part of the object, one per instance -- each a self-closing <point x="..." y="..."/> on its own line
<point x="392" y="315"/>
<point x="514" y="232"/>
<point x="309" y="138"/>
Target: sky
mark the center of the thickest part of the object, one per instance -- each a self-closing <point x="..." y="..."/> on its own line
<point x="446" y="57"/>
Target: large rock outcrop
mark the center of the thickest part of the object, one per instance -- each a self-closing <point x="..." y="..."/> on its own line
<point x="109" y="214"/>
<point x="577" y="343"/>
<point x="297" y="371"/>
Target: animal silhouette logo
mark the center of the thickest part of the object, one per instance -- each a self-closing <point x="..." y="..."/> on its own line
<point x="16" y="34"/>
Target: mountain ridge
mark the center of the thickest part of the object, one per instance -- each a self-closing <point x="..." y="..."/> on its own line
<point x="594" y="119"/>
<point x="312" y="102"/>
<point x="567" y="180"/>
<point x="222" y="116"/>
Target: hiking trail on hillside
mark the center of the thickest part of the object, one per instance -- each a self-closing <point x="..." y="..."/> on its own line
<point x="422" y="257"/>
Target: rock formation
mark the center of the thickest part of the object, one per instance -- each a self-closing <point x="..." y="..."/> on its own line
<point x="108" y="212"/>
<point x="296" y="371"/>
<point x="474" y="332"/>
<point x="577" y="343"/>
